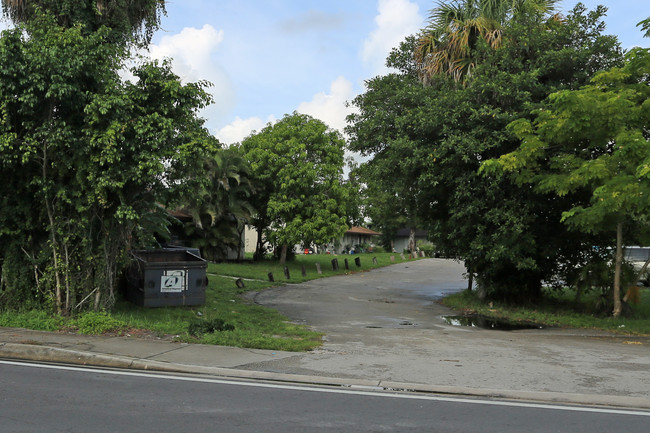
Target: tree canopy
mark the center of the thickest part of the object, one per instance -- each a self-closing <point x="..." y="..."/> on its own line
<point x="127" y="20"/>
<point x="449" y="44"/>
<point x="595" y="139"/>
<point x="221" y="206"/>
<point x="86" y="161"/>
<point x="297" y="165"/>
<point x="433" y="139"/>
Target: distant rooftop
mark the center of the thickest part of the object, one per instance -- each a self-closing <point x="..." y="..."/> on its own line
<point x="362" y="231"/>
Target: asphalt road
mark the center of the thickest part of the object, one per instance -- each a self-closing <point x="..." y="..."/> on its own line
<point x="386" y="325"/>
<point x="53" y="399"/>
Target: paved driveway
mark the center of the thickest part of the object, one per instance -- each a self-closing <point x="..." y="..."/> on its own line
<point x="385" y="325"/>
<point x="398" y="296"/>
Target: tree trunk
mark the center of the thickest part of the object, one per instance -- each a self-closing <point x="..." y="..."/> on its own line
<point x="283" y="255"/>
<point x="470" y="281"/>
<point x="55" y="246"/>
<point x="259" y="248"/>
<point x="241" y="245"/>
<point x="412" y="240"/>
<point x="66" y="256"/>
<point x="617" y="270"/>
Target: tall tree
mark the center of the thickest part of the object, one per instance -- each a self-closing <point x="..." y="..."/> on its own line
<point x="596" y="138"/>
<point x="222" y="206"/>
<point x="85" y="160"/>
<point x="127" y="19"/>
<point x="507" y="234"/>
<point x="297" y="167"/>
<point x="448" y="45"/>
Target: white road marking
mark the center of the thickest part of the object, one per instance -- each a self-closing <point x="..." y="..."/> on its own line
<point x="348" y="391"/>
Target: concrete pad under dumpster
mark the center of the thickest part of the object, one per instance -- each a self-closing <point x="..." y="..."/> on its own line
<point x="166" y="277"/>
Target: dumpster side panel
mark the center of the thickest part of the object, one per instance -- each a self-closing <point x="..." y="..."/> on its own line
<point x="163" y="278"/>
<point x="168" y="284"/>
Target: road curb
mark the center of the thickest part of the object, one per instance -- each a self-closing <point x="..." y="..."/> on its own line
<point x="30" y="352"/>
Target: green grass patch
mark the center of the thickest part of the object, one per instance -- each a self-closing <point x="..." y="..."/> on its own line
<point x="260" y="270"/>
<point x="558" y="309"/>
<point x="240" y="322"/>
<point x="228" y="317"/>
<point x="97" y="322"/>
<point x="34" y="319"/>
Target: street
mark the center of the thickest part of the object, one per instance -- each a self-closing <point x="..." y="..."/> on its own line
<point x="49" y="398"/>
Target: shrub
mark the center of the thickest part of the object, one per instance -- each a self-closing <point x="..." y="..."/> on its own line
<point x="97" y="323"/>
<point x="427" y="248"/>
<point x="199" y="327"/>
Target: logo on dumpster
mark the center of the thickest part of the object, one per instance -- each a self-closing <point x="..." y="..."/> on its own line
<point x="173" y="281"/>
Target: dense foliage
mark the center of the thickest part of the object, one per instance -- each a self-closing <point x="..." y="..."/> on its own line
<point x="221" y="207"/>
<point x="594" y="139"/>
<point x="297" y="165"/>
<point x="126" y="20"/>
<point x="428" y="142"/>
<point x="86" y="160"/>
<point x="448" y="45"/>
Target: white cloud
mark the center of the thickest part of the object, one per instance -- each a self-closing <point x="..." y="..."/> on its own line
<point x="191" y="52"/>
<point x="396" y="20"/>
<point x="4" y="24"/>
<point x="331" y="108"/>
<point x="312" y="20"/>
<point x="239" y="129"/>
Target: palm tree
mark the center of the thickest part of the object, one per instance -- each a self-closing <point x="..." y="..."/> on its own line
<point x="448" y="44"/>
<point x="221" y="209"/>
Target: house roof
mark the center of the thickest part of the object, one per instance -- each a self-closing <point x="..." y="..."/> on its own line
<point x="362" y="231"/>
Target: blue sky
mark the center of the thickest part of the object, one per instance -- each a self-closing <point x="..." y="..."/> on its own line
<point x="267" y="58"/>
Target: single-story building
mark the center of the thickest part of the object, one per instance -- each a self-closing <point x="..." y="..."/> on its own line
<point x="353" y="238"/>
<point x="401" y="242"/>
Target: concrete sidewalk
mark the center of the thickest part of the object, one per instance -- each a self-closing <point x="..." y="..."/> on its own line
<point x="229" y="362"/>
<point x="401" y="343"/>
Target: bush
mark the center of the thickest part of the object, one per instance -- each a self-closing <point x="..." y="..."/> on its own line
<point x="97" y="323"/>
<point x="427" y="248"/>
<point x="198" y="327"/>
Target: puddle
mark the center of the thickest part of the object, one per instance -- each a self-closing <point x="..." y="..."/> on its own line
<point x="483" y="322"/>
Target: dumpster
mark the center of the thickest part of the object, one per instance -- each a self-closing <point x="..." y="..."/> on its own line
<point x="166" y="277"/>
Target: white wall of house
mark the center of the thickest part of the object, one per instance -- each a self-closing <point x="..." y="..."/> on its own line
<point x="250" y="239"/>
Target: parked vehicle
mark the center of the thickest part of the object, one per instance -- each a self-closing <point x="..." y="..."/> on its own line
<point x="638" y="256"/>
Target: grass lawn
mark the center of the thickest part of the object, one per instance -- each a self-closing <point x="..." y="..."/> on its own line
<point x="254" y="326"/>
<point x="558" y="309"/>
<point x="260" y="270"/>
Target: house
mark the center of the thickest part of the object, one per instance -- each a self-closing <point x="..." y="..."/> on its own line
<point x="353" y="239"/>
<point x="250" y="239"/>
<point x="401" y="242"/>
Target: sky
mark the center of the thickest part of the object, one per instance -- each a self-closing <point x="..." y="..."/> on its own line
<point x="268" y="58"/>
